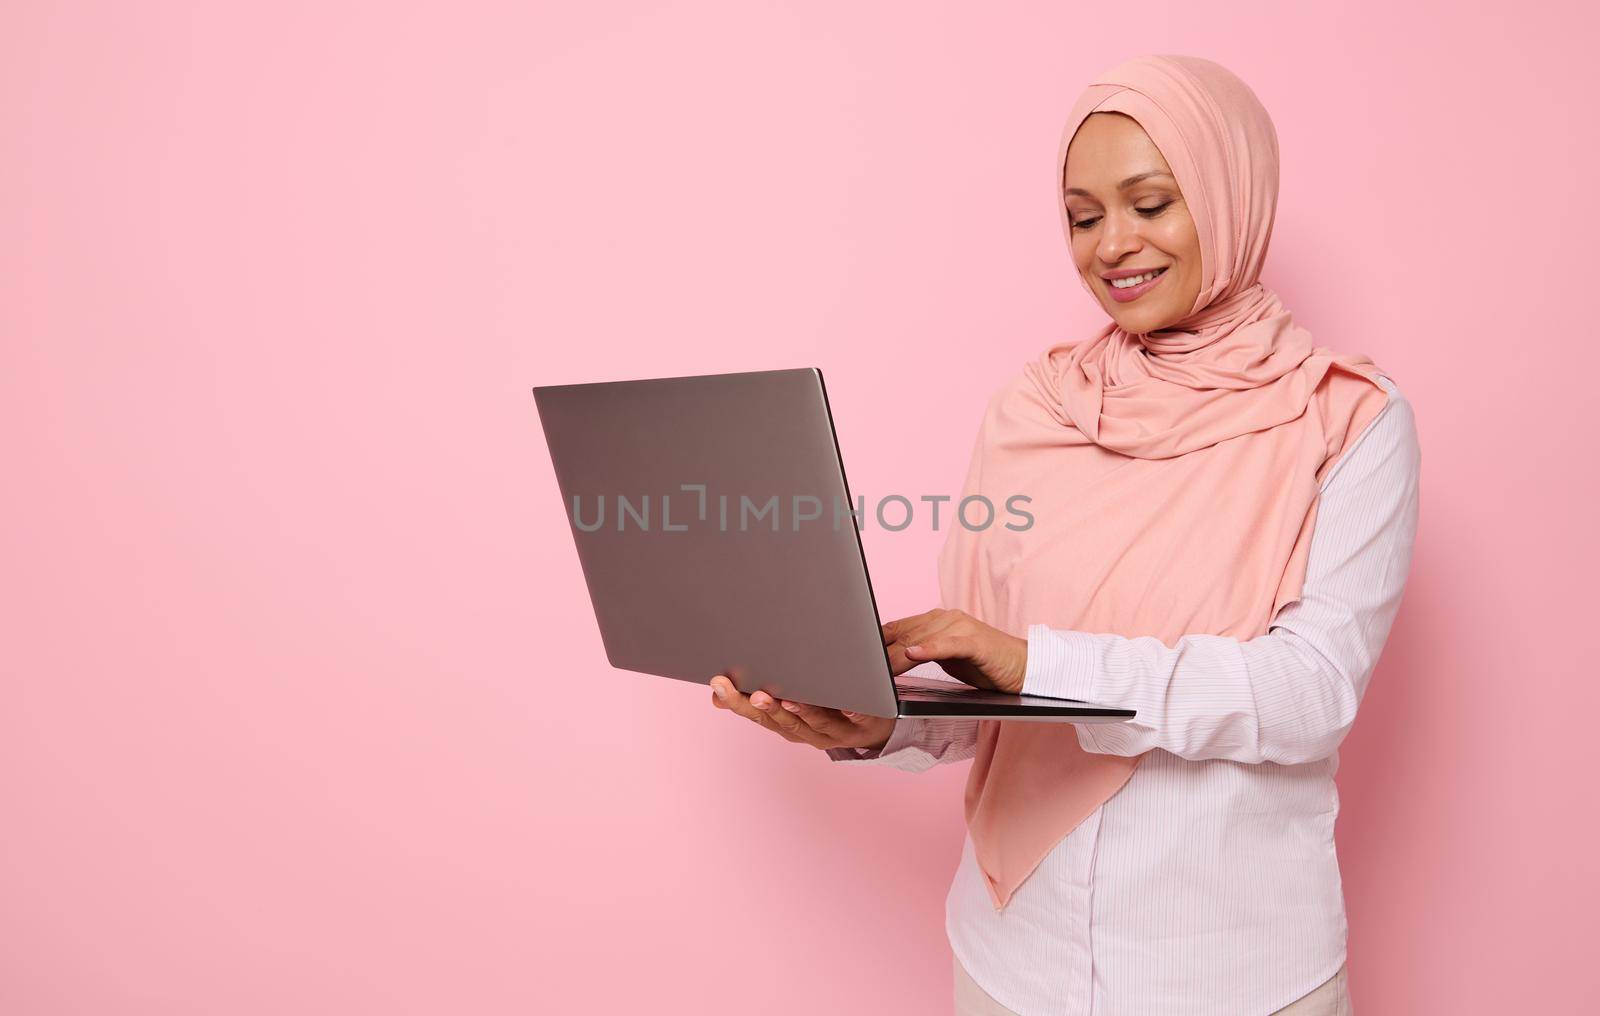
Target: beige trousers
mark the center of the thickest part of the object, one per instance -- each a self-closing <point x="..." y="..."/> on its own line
<point x="1331" y="998"/>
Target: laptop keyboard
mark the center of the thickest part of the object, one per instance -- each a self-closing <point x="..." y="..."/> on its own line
<point x="954" y="693"/>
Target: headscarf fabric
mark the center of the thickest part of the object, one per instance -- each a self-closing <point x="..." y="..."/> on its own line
<point x="1173" y="475"/>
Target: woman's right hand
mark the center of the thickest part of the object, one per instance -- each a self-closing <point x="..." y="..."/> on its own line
<point x="802" y="723"/>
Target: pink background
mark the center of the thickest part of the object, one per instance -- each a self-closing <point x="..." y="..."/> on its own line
<point x="304" y="705"/>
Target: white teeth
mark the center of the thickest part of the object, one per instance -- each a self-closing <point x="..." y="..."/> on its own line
<point x="1135" y="280"/>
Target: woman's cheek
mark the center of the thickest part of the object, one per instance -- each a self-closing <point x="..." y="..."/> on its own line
<point x="1082" y="258"/>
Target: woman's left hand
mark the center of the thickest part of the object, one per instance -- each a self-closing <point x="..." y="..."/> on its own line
<point x="965" y="648"/>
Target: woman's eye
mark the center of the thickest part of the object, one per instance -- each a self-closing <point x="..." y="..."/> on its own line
<point x="1149" y="213"/>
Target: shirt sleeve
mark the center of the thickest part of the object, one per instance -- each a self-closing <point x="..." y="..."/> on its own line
<point x="918" y="744"/>
<point x="1290" y="695"/>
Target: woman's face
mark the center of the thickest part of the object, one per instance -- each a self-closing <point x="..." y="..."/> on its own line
<point x="1129" y="219"/>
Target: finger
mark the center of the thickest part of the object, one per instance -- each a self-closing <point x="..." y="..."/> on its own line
<point x="894" y="629"/>
<point x="933" y="623"/>
<point x="920" y="634"/>
<point x="960" y="655"/>
<point x="729" y="697"/>
<point x="766" y="711"/>
<point x="726" y="695"/>
<point x="740" y="704"/>
<point x="944" y="647"/>
<point x="899" y="663"/>
<point x="832" y="725"/>
<point x="841" y="726"/>
<point x="786" y="721"/>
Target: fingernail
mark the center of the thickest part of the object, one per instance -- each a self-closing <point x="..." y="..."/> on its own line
<point x="763" y="706"/>
<point x="913" y="649"/>
<point x="791" y="707"/>
<point x="721" y="692"/>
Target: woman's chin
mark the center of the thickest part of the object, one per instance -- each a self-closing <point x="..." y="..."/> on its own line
<point x="1135" y="324"/>
<point x="1144" y="320"/>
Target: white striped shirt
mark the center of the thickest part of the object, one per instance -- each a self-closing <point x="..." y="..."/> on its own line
<point x="1208" y="885"/>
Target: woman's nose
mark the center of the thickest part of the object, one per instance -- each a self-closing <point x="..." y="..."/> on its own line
<point x="1118" y="239"/>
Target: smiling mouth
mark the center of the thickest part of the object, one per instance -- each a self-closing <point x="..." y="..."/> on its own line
<point x="1134" y="280"/>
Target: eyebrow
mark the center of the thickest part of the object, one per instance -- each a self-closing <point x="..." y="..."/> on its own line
<point x="1124" y="185"/>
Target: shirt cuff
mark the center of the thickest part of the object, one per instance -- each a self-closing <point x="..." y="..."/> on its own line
<point x="1063" y="664"/>
<point x="903" y="735"/>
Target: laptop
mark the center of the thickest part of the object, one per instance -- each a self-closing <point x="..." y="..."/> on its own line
<point x="717" y="535"/>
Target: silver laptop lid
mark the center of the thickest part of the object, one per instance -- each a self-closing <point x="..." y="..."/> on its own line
<point x="712" y="520"/>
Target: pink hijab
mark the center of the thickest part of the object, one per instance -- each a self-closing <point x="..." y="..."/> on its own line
<point x="1174" y="475"/>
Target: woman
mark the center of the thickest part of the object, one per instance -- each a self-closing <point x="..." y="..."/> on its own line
<point x="1224" y="518"/>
